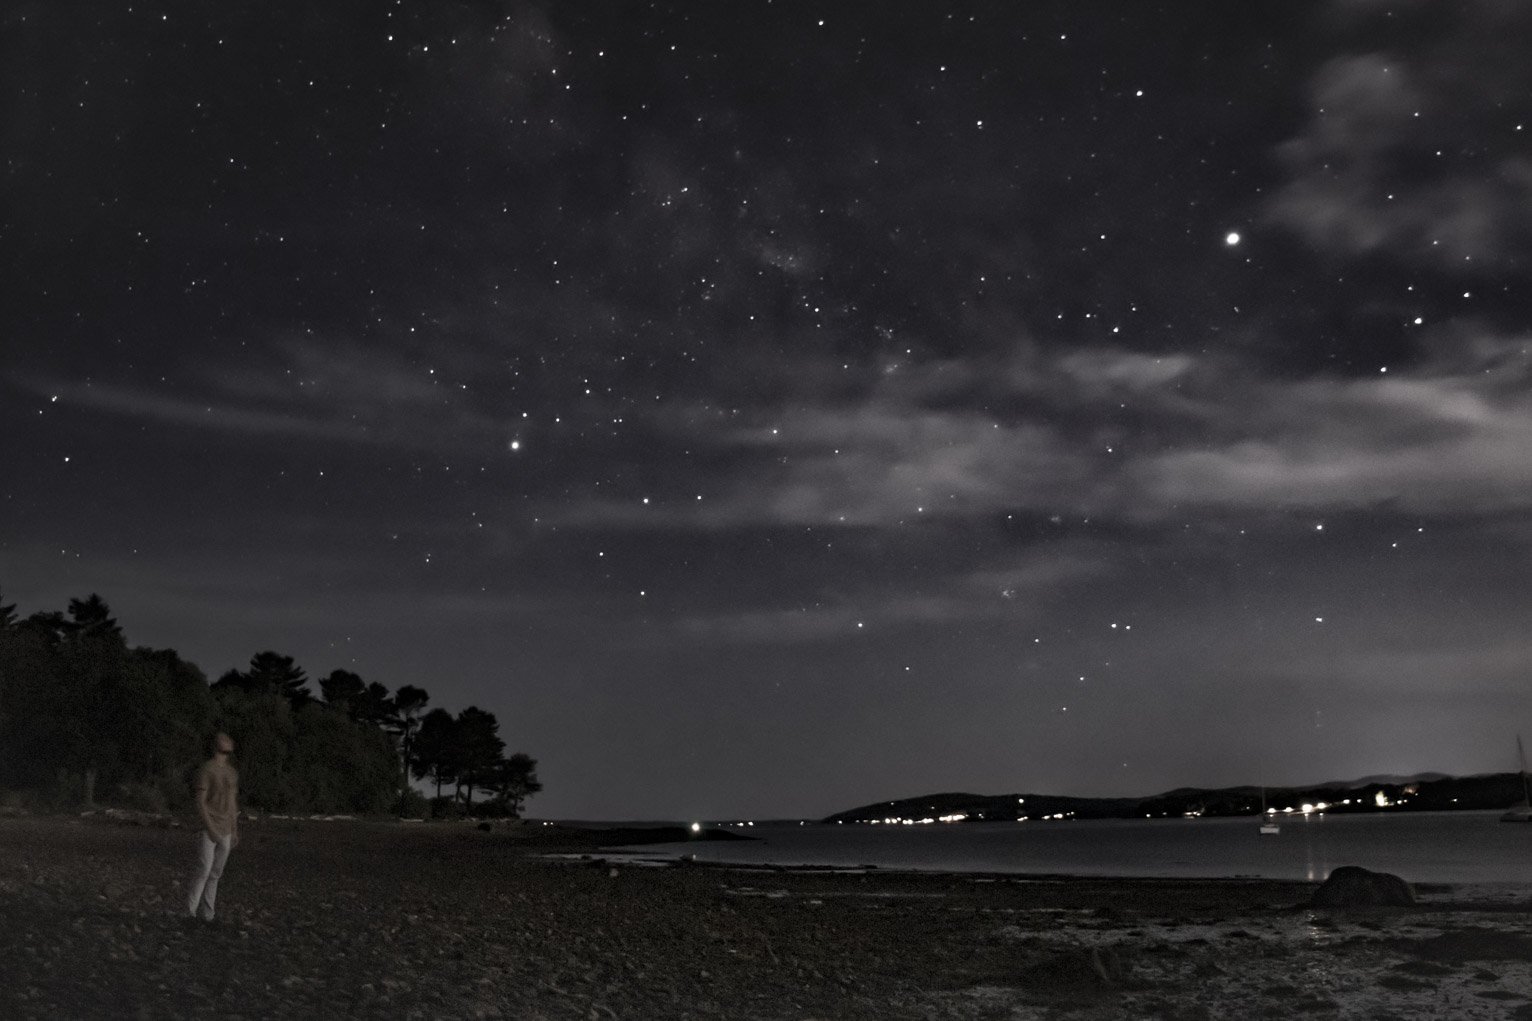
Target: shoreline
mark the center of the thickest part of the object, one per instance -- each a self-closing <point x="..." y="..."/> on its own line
<point x="1508" y="896"/>
<point x="1468" y="849"/>
<point x="366" y="919"/>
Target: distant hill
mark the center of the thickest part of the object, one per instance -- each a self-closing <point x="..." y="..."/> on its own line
<point x="1421" y="792"/>
<point x="1385" y="778"/>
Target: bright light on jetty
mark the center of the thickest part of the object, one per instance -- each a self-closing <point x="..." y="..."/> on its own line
<point x="696" y="827"/>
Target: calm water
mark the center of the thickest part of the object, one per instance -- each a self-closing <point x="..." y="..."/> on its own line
<point x="1423" y="847"/>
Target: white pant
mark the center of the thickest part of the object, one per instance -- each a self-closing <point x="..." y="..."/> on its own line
<point x="204" y="885"/>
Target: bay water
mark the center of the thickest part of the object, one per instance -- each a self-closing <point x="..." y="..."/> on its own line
<point x="1422" y="847"/>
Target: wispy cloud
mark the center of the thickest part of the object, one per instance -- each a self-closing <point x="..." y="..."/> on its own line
<point x="1014" y="591"/>
<point x="337" y="392"/>
<point x="214" y="412"/>
<point x="1432" y="443"/>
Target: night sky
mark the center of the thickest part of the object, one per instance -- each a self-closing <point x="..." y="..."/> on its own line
<point x="769" y="408"/>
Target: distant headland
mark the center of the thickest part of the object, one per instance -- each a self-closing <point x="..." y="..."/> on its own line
<point x="1419" y="793"/>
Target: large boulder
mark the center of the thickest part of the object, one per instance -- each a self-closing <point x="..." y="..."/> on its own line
<point x="1353" y="887"/>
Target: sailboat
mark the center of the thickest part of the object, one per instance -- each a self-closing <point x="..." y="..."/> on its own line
<point x="1269" y="824"/>
<point x="1523" y="811"/>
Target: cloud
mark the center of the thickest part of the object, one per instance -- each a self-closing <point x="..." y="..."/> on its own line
<point x="140" y="402"/>
<point x="339" y="391"/>
<point x="1450" y="436"/>
<point x="884" y="463"/>
<point x="1500" y="667"/>
<point x="1430" y="444"/>
<point x="918" y="443"/>
<point x="1013" y="591"/>
<point x="1394" y="158"/>
<point x="872" y="464"/>
<point x="1136" y="372"/>
<point x="1100" y="432"/>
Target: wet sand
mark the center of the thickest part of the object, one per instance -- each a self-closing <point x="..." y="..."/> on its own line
<point x="380" y="920"/>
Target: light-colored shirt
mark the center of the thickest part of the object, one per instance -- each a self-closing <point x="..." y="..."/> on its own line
<point x="221" y="782"/>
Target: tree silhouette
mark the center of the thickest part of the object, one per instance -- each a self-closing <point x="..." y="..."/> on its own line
<point x="342" y="689"/>
<point x="376" y="706"/>
<point x="90" y="698"/>
<point x="513" y="780"/>
<point x="368" y="703"/>
<point x="91" y="619"/>
<point x="81" y="711"/>
<point x="160" y="715"/>
<point x="409" y="704"/>
<point x="436" y="749"/>
<point x="274" y="672"/>
<point x="270" y="671"/>
<point x="50" y="626"/>
<point x="479" y="749"/>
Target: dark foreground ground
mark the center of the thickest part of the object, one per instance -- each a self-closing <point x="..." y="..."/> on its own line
<point x="344" y="919"/>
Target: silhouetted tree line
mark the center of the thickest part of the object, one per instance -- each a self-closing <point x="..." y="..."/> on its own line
<point x="84" y="716"/>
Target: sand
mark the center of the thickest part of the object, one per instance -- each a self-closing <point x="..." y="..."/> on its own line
<point x="388" y="920"/>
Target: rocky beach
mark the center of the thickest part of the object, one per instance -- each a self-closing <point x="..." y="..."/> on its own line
<point x="328" y="919"/>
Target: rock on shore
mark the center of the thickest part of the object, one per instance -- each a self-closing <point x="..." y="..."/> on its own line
<point x="1351" y="886"/>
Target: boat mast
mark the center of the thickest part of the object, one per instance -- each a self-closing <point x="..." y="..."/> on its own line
<point x="1521" y="756"/>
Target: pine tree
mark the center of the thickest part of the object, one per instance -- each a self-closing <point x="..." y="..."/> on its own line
<point x="435" y="751"/>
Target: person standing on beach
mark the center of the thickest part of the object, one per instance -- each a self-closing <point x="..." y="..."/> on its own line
<point x="217" y="790"/>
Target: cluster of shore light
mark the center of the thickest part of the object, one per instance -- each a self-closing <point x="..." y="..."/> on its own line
<point x="1380" y="799"/>
<point x="957" y="817"/>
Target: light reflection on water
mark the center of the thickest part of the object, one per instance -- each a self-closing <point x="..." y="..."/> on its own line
<point x="1429" y="847"/>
